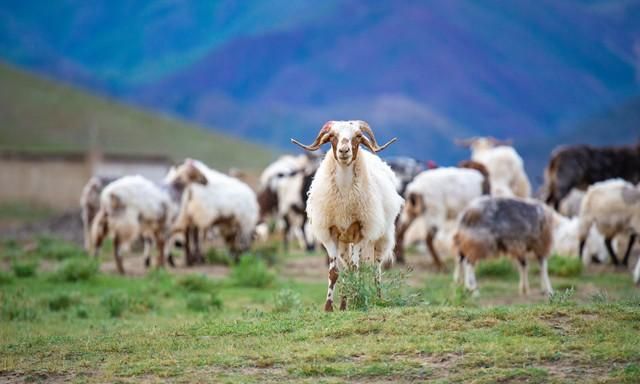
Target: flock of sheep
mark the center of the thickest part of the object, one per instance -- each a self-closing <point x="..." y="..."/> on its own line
<point x="359" y="207"/>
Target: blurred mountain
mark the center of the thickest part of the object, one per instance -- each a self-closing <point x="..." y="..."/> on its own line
<point x="425" y="71"/>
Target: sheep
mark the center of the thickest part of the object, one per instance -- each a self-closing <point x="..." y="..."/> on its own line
<point x="213" y="199"/>
<point x="437" y="196"/>
<point x="132" y="207"/>
<point x="353" y="203"/>
<point x="613" y="206"/>
<point x="90" y="204"/>
<point x="406" y="169"/>
<point x="507" y="175"/>
<point x="283" y="194"/>
<point x="579" y="166"/>
<point x="565" y="240"/>
<point x="492" y="225"/>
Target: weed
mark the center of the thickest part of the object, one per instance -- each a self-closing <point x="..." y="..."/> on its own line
<point x="77" y="269"/>
<point x="203" y="302"/>
<point x="196" y="283"/>
<point x="286" y="300"/>
<point x="266" y="252"/>
<point x="562" y="297"/>
<point x="565" y="266"/>
<point x="115" y="303"/>
<point x="55" y="249"/>
<point x="501" y="267"/>
<point x="251" y="272"/>
<point x="17" y="308"/>
<point x="217" y="257"/>
<point x="61" y="301"/>
<point x="359" y="288"/>
<point x="601" y="297"/>
<point x="5" y="278"/>
<point x="24" y="268"/>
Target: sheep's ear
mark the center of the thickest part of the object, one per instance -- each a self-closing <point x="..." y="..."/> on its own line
<point x="194" y="175"/>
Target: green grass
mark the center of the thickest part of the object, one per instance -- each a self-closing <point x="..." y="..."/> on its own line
<point x="192" y="328"/>
<point x="40" y="114"/>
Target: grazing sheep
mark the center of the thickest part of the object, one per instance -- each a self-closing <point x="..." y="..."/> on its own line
<point x="436" y="196"/>
<point x="213" y="199"/>
<point x="406" y="169"/>
<point x="613" y="206"/>
<point x="130" y="208"/>
<point x="515" y="227"/>
<point x="284" y="187"/>
<point x="579" y="166"/>
<point x="565" y="240"/>
<point x="90" y="205"/>
<point x="353" y="203"/>
<point x="506" y="170"/>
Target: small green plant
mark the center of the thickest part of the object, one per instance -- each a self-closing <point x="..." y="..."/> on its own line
<point x="267" y="252"/>
<point x="82" y="312"/>
<point x="115" y="303"/>
<point x="286" y="300"/>
<point x="17" y="308"/>
<point x="203" y="302"/>
<point x="601" y="297"/>
<point x="501" y="267"/>
<point x="217" y="257"/>
<point x="251" y="272"/>
<point x="565" y="266"/>
<point x="60" y="302"/>
<point x="24" y="268"/>
<point x="562" y="297"/>
<point x="5" y="278"/>
<point x="77" y="269"/>
<point x="196" y="283"/>
<point x="359" y="288"/>
<point x="56" y="249"/>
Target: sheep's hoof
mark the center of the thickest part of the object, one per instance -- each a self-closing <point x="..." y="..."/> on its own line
<point x="147" y="262"/>
<point x="328" y="306"/>
<point x="171" y="262"/>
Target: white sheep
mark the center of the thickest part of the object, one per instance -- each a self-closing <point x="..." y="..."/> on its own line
<point x="90" y="205"/>
<point x="506" y="168"/>
<point x="613" y="206"/>
<point x="565" y="240"/>
<point x="353" y="203"/>
<point x="130" y="208"/>
<point x="436" y="196"/>
<point x="213" y="199"/>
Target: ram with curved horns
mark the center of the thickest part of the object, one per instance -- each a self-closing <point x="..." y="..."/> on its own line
<point x="353" y="203"/>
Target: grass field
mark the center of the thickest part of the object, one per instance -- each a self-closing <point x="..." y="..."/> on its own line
<point x="63" y="320"/>
<point x="40" y="114"/>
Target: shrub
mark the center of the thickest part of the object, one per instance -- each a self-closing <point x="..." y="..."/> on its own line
<point x="24" y="268"/>
<point x="203" y="302"/>
<point x="251" y="272"/>
<point x="562" y="297"/>
<point x="266" y="252"/>
<point x="359" y="288"/>
<point x="60" y="302"/>
<point x="17" y="308"/>
<point x="5" y="278"/>
<point x="77" y="269"/>
<point x="196" y="283"/>
<point x="565" y="266"/>
<point x="82" y="312"/>
<point x="55" y="249"/>
<point x="286" y="300"/>
<point x="501" y="267"/>
<point x="115" y="303"/>
<point x="217" y="257"/>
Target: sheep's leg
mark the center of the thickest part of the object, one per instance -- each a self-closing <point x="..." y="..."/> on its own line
<point x="458" y="272"/>
<point x="188" y="247"/>
<point x="116" y="254"/>
<point x="636" y="273"/>
<point x="545" y="283"/>
<point x="146" y="242"/>
<point x="632" y="240"/>
<point x="470" y="277"/>
<point x="401" y="230"/>
<point x="197" y="257"/>
<point x="436" y="258"/>
<point x="332" y="251"/>
<point x="160" y="247"/>
<point x="614" y="258"/>
<point x="524" y="276"/>
<point x="346" y="254"/>
<point x="285" y="233"/>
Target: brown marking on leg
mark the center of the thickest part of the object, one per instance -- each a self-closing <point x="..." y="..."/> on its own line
<point x="160" y="245"/>
<point x="333" y="278"/>
<point x="432" y="249"/>
<point x="116" y="254"/>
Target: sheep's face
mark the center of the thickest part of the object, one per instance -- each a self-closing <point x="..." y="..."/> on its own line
<point x="185" y="174"/>
<point x="345" y="138"/>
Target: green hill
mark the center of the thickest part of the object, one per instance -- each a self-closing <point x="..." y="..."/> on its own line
<point x="39" y="114"/>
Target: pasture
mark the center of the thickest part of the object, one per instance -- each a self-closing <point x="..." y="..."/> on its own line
<point x="64" y="319"/>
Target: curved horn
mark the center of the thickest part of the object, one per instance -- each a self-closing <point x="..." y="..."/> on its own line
<point x="322" y="138"/>
<point x="373" y="144"/>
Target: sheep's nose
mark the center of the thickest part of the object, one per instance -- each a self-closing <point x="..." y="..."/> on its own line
<point x="344" y="150"/>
